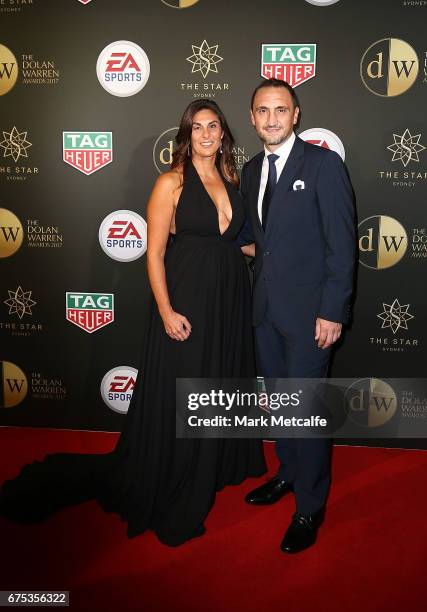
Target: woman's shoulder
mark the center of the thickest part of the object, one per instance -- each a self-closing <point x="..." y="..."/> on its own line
<point x="170" y="177"/>
<point x="170" y="180"/>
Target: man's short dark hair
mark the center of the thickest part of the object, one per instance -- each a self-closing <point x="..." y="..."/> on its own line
<point x="276" y="83"/>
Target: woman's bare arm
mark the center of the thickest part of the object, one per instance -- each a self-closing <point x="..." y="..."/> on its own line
<point x="160" y="211"/>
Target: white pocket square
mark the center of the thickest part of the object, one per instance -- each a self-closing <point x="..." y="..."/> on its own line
<point x="298" y="185"/>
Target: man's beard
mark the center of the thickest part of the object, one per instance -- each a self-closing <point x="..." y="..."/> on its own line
<point x="271" y="139"/>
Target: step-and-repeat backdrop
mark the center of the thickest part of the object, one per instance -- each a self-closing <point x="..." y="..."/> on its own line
<point x="91" y="92"/>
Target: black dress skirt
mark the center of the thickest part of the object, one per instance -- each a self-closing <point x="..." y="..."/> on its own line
<point x="152" y="479"/>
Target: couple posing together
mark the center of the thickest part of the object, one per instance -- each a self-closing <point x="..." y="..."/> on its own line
<point x="294" y="214"/>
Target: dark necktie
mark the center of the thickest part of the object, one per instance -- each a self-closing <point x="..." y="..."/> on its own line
<point x="269" y="188"/>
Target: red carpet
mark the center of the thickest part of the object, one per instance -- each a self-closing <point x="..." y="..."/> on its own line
<point x="370" y="555"/>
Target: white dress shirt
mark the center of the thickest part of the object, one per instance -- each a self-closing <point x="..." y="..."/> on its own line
<point x="283" y="152"/>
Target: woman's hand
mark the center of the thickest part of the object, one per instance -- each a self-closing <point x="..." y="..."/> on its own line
<point x="176" y="326"/>
<point x="249" y="250"/>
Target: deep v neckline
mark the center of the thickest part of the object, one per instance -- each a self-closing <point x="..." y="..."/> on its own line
<point x="213" y="202"/>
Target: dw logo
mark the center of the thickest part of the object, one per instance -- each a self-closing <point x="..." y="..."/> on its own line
<point x="389" y="67"/>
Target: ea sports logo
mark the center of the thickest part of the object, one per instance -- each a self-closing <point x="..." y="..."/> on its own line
<point x="370" y="402"/>
<point x="382" y="242"/>
<point x="11" y="233"/>
<point x="117" y="388"/>
<point x="324" y="138"/>
<point x="389" y="67"/>
<point x="163" y="149"/>
<point x="8" y="70"/>
<point x="123" y="235"/>
<point x="14" y="385"/>
<point x="322" y="2"/>
<point x="123" y="68"/>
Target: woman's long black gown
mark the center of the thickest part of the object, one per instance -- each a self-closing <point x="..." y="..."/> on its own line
<point x="152" y="479"/>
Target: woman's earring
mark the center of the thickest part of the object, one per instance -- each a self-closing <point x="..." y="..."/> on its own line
<point x="220" y="148"/>
<point x="188" y="150"/>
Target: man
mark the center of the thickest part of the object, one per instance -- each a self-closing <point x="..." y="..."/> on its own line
<point x="300" y="217"/>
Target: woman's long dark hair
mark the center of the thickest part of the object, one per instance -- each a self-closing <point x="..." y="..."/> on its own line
<point x="225" y="160"/>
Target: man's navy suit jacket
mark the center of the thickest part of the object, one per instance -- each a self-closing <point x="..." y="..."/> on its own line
<point x="305" y="259"/>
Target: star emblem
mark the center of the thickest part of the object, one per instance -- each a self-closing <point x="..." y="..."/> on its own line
<point x="395" y="316"/>
<point x="20" y="302"/>
<point x="406" y="147"/>
<point x="204" y="58"/>
<point x="15" y="144"/>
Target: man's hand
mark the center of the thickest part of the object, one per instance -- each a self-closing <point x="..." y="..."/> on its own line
<point x="327" y="332"/>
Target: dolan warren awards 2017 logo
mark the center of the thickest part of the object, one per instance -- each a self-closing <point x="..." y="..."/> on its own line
<point x="13" y="383"/>
<point x="389" y="67"/>
<point x="179" y="4"/>
<point x="382" y="242"/>
<point x="294" y="63"/>
<point x="11" y="233"/>
<point x="89" y="311"/>
<point x="87" y="151"/>
<point x="8" y="70"/>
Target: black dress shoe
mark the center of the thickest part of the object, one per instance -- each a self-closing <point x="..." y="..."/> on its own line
<point x="269" y="493"/>
<point x="302" y="532"/>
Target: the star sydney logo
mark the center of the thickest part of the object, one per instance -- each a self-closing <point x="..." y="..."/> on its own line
<point x="205" y="59"/>
<point x="87" y="151"/>
<point x="15" y="144"/>
<point x="406" y="147"/>
<point x="20" y="302"/>
<point x="89" y="311"/>
<point x="395" y="316"/>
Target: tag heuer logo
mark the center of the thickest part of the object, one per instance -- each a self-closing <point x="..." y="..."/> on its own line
<point x="87" y="151"/>
<point x="90" y="311"/>
<point x="292" y="63"/>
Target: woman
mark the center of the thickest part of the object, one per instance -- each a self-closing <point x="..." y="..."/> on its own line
<point x="200" y="327"/>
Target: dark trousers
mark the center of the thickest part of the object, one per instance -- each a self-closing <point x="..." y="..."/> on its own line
<point x="303" y="461"/>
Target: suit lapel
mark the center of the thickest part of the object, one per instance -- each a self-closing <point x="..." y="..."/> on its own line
<point x="287" y="176"/>
<point x="256" y="177"/>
